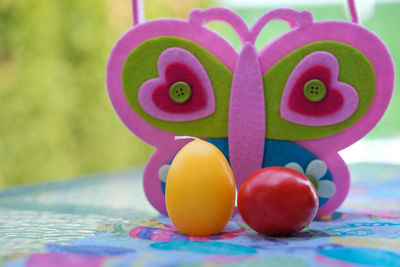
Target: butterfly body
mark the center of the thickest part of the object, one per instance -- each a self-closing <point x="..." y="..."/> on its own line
<point x="246" y="116"/>
<point x="250" y="103"/>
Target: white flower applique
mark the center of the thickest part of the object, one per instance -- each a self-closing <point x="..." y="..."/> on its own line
<point x="316" y="169"/>
<point x="163" y="172"/>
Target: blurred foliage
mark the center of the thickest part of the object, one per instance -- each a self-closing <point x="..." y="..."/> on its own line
<point x="173" y="8"/>
<point x="56" y="119"/>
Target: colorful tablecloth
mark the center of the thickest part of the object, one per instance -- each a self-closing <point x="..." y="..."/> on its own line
<point x="106" y="221"/>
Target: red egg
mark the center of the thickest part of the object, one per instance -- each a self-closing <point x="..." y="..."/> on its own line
<point x="277" y="201"/>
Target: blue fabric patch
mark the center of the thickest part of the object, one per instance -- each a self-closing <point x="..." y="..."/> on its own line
<point x="279" y="153"/>
<point x="89" y="249"/>
<point x="215" y="248"/>
<point x="222" y="145"/>
<point x="365" y="256"/>
<point x="163" y="184"/>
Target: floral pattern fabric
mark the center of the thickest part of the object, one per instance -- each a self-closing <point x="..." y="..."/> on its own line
<point x="106" y="221"/>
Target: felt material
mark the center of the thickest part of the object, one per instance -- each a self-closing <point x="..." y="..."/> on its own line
<point x="246" y="129"/>
<point x="177" y="72"/>
<point x="163" y="172"/>
<point x="316" y="171"/>
<point x="364" y="63"/>
<point x="277" y="127"/>
<point x="151" y="179"/>
<point x="291" y="155"/>
<point x="326" y="189"/>
<point x="202" y="17"/>
<point x="373" y="51"/>
<point x="137" y="12"/>
<point x="176" y="65"/>
<point x="351" y="75"/>
<point x="339" y="103"/>
<point x="140" y="78"/>
<point x="293" y="17"/>
<point x="163" y="185"/>
<point x="353" y="11"/>
<point x="328" y="105"/>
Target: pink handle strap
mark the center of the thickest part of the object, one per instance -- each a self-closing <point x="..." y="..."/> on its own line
<point x="137" y="12"/>
<point x="353" y="11"/>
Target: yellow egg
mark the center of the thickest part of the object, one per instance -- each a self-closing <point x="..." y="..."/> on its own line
<point x="200" y="190"/>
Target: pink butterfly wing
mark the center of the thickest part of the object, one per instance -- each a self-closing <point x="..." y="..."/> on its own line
<point x="357" y="37"/>
<point x="165" y="143"/>
<point x="326" y="148"/>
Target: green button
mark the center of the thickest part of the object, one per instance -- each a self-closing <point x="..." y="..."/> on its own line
<point x="314" y="90"/>
<point x="180" y="92"/>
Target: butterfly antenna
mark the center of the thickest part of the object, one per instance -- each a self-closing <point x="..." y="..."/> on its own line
<point x="137" y="12"/>
<point x="353" y="11"/>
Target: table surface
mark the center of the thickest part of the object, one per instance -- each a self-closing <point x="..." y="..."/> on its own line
<point x="105" y="219"/>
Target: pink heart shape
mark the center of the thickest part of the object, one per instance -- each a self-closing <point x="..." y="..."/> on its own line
<point x="339" y="104"/>
<point x="176" y="64"/>
<point x="179" y="72"/>
<point x="330" y="104"/>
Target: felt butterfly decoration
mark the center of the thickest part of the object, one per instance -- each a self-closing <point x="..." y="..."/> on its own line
<point x="305" y="96"/>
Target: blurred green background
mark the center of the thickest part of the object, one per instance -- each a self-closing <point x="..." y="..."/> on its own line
<point x="56" y="120"/>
